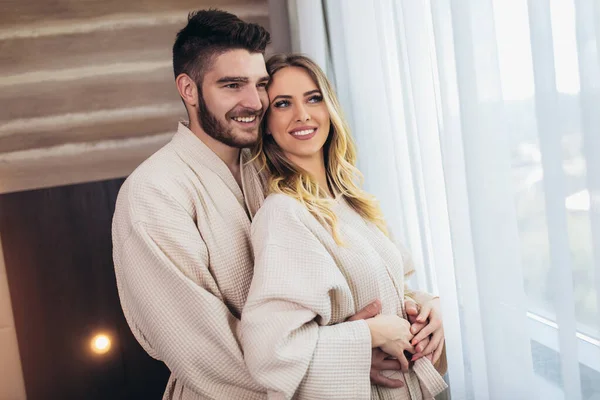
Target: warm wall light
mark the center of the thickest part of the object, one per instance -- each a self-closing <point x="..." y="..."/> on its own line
<point x="100" y="344"/>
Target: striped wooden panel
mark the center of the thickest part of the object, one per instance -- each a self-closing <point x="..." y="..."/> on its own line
<point x="86" y="86"/>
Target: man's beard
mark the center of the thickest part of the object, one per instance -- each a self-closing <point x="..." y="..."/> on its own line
<point x="221" y="132"/>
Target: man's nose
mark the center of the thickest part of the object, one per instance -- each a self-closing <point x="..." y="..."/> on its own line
<point x="252" y="99"/>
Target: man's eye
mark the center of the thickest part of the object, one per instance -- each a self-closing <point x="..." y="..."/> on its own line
<point x="262" y="85"/>
<point x="232" y="86"/>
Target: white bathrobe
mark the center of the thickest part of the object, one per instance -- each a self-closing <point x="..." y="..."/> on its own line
<point x="183" y="262"/>
<point x="305" y="286"/>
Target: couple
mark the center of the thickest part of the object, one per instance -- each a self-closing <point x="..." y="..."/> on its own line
<point x="301" y="294"/>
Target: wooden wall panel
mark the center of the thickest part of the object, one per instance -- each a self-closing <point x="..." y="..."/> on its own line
<point x="40" y="12"/>
<point x="78" y="75"/>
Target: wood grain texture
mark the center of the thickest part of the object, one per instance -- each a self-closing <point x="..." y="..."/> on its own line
<point x="39" y="12"/>
<point x="75" y="163"/>
<point x="78" y="75"/>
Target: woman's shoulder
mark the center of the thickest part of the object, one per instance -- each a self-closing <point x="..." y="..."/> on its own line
<point x="279" y="205"/>
<point x="279" y="216"/>
<point x="281" y="200"/>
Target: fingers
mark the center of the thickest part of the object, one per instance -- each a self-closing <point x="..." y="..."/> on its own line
<point x="369" y="311"/>
<point x="433" y="351"/>
<point x="424" y="314"/>
<point x="398" y="350"/>
<point x="388" y="365"/>
<point x="403" y="363"/>
<point x="411" y="308"/>
<point x="377" y="355"/>
<point x="378" y="379"/>
<point x="438" y="353"/>
<point x="416" y="326"/>
<point x="434" y="342"/>
<point x="422" y="345"/>
<point x="428" y="330"/>
<point x="380" y="361"/>
<point x="425" y="332"/>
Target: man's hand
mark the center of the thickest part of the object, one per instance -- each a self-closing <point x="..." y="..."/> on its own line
<point x="369" y="311"/>
<point x="427" y="321"/>
<point x="381" y="362"/>
<point x="379" y="359"/>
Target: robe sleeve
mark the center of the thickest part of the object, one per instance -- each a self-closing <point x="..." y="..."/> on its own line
<point x="169" y="298"/>
<point x="409" y="269"/>
<point x="288" y="345"/>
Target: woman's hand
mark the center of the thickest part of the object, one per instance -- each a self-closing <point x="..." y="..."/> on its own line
<point x="391" y="334"/>
<point x="412" y="311"/>
<point x="428" y="326"/>
<point x="380" y="360"/>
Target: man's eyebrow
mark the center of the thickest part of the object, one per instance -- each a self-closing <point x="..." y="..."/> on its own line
<point x="226" y="79"/>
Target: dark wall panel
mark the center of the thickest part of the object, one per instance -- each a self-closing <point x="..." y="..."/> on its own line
<point x="58" y="253"/>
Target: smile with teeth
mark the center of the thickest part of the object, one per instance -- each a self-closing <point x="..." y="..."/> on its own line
<point x="304" y="132"/>
<point x="245" y="119"/>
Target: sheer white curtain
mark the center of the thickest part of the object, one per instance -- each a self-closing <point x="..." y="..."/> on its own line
<point x="478" y="128"/>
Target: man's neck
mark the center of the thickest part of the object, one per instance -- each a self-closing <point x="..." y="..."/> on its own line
<point x="229" y="155"/>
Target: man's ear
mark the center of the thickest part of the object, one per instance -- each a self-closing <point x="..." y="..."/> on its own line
<point x="187" y="89"/>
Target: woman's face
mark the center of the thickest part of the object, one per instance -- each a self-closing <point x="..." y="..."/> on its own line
<point x="298" y="118"/>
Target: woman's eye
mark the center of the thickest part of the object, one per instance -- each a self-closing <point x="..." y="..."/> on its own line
<point x="315" y="99"/>
<point x="281" y="104"/>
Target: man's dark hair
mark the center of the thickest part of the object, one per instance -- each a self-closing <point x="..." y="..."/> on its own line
<point x="210" y="33"/>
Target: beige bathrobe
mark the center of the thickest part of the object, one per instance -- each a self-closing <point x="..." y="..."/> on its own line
<point x="183" y="262"/>
<point x="305" y="286"/>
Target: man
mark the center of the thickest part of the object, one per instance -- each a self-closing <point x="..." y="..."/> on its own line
<point x="183" y="258"/>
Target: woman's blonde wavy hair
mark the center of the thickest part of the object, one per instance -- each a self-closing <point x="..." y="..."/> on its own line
<point x="343" y="177"/>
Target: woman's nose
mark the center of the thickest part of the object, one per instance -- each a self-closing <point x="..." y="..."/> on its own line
<point x="302" y="114"/>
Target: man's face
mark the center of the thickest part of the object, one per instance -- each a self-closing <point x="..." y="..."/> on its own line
<point x="233" y="98"/>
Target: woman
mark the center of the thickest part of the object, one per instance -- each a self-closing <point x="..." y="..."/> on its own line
<point x="321" y="254"/>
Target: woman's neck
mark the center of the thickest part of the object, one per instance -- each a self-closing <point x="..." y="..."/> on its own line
<point x="315" y="166"/>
